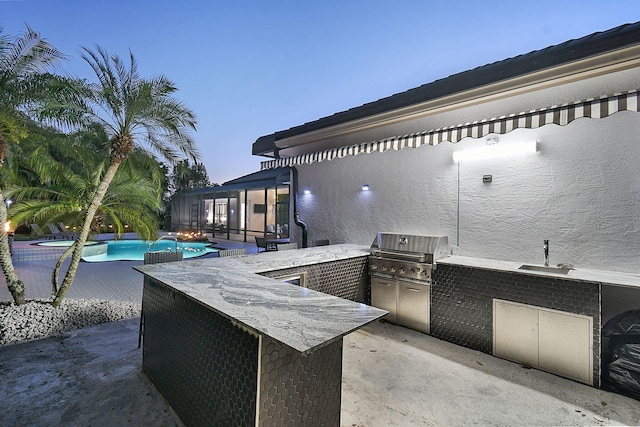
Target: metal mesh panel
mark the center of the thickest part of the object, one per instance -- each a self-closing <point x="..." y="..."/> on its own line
<point x="300" y="390"/>
<point x="462" y="303"/>
<point x="204" y="366"/>
<point x="348" y="279"/>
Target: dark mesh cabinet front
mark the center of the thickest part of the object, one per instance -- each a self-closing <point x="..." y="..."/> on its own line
<point x="205" y="367"/>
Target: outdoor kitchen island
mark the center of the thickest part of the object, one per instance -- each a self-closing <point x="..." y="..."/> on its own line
<point x="546" y="317"/>
<point x="227" y="346"/>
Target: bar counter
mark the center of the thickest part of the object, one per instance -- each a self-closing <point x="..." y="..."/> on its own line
<point x="227" y="346"/>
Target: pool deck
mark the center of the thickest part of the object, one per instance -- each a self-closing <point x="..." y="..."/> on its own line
<point x="113" y="280"/>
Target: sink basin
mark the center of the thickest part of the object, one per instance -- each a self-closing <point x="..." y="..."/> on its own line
<point x="543" y="269"/>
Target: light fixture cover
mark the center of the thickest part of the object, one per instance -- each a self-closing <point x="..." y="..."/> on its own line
<point x="365" y="187"/>
<point x="496" y="151"/>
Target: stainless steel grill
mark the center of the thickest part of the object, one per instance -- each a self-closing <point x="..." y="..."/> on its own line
<point x="406" y="256"/>
<point x="400" y="266"/>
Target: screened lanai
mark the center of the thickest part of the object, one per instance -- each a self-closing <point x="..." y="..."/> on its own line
<point x="253" y="205"/>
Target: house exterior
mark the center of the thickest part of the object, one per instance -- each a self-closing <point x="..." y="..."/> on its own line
<point x="577" y="103"/>
<point x="252" y="205"/>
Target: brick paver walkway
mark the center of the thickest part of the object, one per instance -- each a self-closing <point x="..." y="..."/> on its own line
<point x="114" y="280"/>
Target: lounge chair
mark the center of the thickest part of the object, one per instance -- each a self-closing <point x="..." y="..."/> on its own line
<point x="64" y="229"/>
<point x="38" y="233"/>
<point x="57" y="233"/>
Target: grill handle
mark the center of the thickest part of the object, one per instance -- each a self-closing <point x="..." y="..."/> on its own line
<point x="405" y="255"/>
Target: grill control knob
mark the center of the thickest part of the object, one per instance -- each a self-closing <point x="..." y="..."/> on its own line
<point x="393" y="269"/>
<point x="401" y="271"/>
<point x="384" y="267"/>
<point x="374" y="266"/>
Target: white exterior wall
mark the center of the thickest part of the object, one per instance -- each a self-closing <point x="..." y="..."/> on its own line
<point x="581" y="191"/>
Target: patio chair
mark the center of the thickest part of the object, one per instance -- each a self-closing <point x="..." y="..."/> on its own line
<point x="162" y="256"/>
<point x="156" y="258"/>
<point x="261" y="242"/>
<point x="231" y="252"/>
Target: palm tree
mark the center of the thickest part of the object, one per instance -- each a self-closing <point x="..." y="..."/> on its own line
<point x="135" y="112"/>
<point x="23" y="61"/>
<point x="59" y="177"/>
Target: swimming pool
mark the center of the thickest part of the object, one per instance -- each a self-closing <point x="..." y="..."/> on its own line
<point x="134" y="250"/>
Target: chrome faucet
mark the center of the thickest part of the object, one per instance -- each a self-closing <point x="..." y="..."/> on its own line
<point x="546" y="253"/>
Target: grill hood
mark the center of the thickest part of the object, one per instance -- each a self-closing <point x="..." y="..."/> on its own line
<point x="429" y="248"/>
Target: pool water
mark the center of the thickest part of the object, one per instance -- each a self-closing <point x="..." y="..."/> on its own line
<point x="134" y="250"/>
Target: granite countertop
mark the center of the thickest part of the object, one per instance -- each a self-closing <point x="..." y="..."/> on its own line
<point x="279" y="260"/>
<point x="583" y="274"/>
<point x="297" y="317"/>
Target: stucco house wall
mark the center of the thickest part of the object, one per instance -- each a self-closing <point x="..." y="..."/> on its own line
<point x="581" y="190"/>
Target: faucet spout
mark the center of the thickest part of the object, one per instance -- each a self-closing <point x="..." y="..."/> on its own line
<point x="546" y="253"/>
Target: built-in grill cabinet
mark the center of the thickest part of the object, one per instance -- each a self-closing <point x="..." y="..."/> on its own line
<point x="400" y="267"/>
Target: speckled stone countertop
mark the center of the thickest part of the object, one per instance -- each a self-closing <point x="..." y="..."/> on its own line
<point x="297" y="317"/>
<point x="583" y="274"/>
<point x="278" y="260"/>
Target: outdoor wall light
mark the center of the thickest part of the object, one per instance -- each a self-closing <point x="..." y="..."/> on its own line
<point x="365" y="187"/>
<point x="496" y="151"/>
<point x="307" y="192"/>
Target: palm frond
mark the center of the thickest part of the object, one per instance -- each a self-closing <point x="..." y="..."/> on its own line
<point x="141" y="108"/>
<point x="27" y="55"/>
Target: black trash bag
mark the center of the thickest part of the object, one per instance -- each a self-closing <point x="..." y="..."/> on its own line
<point x="623" y="372"/>
<point x="623" y="324"/>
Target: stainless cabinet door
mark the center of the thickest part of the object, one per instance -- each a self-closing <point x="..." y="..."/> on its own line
<point x="516" y="332"/>
<point x="413" y="306"/>
<point x="384" y="295"/>
<point x="566" y="345"/>
<point x="552" y="340"/>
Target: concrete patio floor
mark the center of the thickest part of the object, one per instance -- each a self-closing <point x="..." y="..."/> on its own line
<point x="392" y="376"/>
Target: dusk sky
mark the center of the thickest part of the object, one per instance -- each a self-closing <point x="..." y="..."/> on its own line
<point x="250" y="68"/>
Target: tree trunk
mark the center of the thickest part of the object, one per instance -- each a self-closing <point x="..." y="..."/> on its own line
<point x="56" y="269"/>
<point x="15" y="285"/>
<point x="85" y="230"/>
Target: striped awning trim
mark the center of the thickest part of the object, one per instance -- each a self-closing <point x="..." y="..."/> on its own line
<point x="560" y="115"/>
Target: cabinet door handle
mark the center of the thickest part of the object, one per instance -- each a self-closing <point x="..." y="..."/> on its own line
<point x="413" y="289"/>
